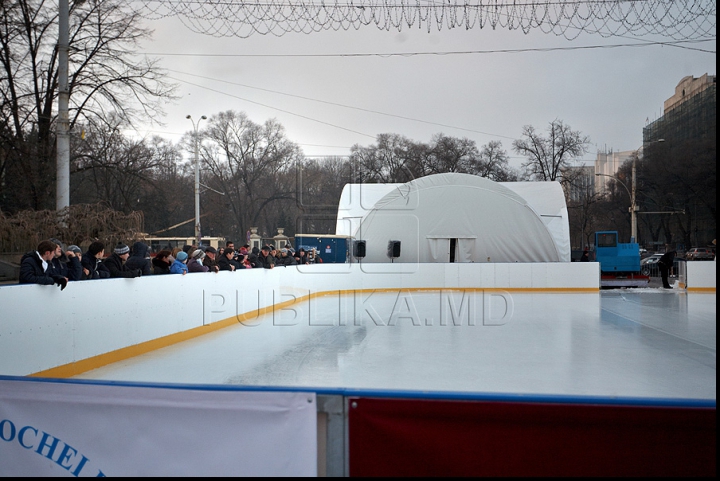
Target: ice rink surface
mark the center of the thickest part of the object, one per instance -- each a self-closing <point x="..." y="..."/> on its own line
<point x="648" y="343"/>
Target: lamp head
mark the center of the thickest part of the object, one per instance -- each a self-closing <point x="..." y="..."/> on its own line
<point x="188" y="116"/>
<point x="203" y="117"/>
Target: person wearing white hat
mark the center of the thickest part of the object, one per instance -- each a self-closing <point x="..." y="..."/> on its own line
<point x="195" y="263"/>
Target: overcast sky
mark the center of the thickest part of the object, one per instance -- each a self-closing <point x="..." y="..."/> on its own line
<point x="606" y="93"/>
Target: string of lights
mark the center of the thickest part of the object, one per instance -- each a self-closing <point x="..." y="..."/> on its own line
<point x="674" y="19"/>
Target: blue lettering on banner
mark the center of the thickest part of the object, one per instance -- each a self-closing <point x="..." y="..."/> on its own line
<point x="47" y="446"/>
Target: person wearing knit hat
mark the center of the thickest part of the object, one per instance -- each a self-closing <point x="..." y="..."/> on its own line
<point x="75" y="252"/>
<point x="65" y="264"/>
<point x="178" y="266"/>
<point x="195" y="263"/>
<point x="116" y="263"/>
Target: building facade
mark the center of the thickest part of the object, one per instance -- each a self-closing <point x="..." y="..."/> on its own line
<point x="689" y="115"/>
<point x="606" y="165"/>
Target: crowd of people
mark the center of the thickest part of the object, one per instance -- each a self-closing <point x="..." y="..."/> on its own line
<point x="54" y="264"/>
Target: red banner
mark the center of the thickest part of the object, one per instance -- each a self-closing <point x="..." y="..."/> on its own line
<point x="393" y="437"/>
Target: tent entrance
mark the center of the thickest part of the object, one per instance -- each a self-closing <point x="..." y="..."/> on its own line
<point x="451" y="249"/>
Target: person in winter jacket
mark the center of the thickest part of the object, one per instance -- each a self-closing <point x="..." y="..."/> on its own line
<point x="162" y="261"/>
<point x="178" y="266"/>
<point x="139" y="258"/>
<point x="92" y="261"/>
<point x="84" y="273"/>
<point x="211" y="259"/>
<point x="265" y="259"/>
<point x="665" y="263"/>
<point x="116" y="263"/>
<point x="36" y="267"/>
<point x="227" y="261"/>
<point x="253" y="257"/>
<point x="65" y="263"/>
<point x="195" y="264"/>
<point x="285" y="258"/>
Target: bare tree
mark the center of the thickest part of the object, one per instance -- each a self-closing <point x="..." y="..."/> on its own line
<point x="104" y="76"/>
<point x="391" y="160"/>
<point x="249" y="163"/>
<point x="548" y="156"/>
<point x="493" y="163"/>
<point x="109" y="167"/>
<point x="451" y="154"/>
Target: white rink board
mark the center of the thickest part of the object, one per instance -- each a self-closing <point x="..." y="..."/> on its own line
<point x="42" y="327"/>
<point x="701" y="274"/>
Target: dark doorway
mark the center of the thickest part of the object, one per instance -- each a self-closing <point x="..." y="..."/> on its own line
<point x="453" y="248"/>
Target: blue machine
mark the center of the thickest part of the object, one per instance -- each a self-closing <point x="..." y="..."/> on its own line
<point x="619" y="263"/>
<point x="333" y="249"/>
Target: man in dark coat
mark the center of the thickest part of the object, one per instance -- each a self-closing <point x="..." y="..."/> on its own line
<point x="211" y="260"/>
<point x="139" y="259"/>
<point x="65" y="263"/>
<point x="116" y="263"/>
<point x="92" y="261"/>
<point x="665" y="264"/>
<point x="227" y="261"/>
<point x="253" y="257"/>
<point x="36" y="267"/>
<point x="265" y="259"/>
<point x="285" y="258"/>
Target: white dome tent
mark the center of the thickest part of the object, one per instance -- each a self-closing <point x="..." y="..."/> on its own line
<point x="458" y="218"/>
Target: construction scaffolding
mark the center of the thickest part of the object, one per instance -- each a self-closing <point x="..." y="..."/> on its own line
<point x="692" y="120"/>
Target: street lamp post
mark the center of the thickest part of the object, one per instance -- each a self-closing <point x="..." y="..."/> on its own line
<point x="198" y="234"/>
<point x="633" y="213"/>
<point x="632" y="194"/>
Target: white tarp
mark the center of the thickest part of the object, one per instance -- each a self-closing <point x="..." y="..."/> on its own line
<point x="548" y="200"/>
<point x="61" y="429"/>
<point x="478" y="219"/>
<point x="356" y="201"/>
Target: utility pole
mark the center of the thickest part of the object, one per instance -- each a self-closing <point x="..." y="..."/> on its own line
<point x="198" y="235"/>
<point x="62" y="196"/>
<point x="633" y="205"/>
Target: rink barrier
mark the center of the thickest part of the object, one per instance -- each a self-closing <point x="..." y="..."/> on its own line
<point x="698" y="276"/>
<point x="364" y="432"/>
<point x="48" y="332"/>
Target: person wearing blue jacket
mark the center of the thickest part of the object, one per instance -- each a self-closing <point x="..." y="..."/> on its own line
<point x="179" y="267"/>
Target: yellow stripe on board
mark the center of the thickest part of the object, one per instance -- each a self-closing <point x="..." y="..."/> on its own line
<point x="95" y="362"/>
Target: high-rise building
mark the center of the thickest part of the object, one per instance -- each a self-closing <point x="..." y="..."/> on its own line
<point x="689" y="115"/>
<point x="607" y="164"/>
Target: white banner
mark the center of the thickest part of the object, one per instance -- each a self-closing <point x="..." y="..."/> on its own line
<point x="68" y="429"/>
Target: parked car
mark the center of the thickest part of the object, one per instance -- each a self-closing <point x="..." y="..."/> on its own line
<point x="700" y="254"/>
<point x="649" y="267"/>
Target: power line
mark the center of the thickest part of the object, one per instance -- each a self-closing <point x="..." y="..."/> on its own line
<point x="333" y="104"/>
<point x="458" y="52"/>
<point x="274" y="108"/>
